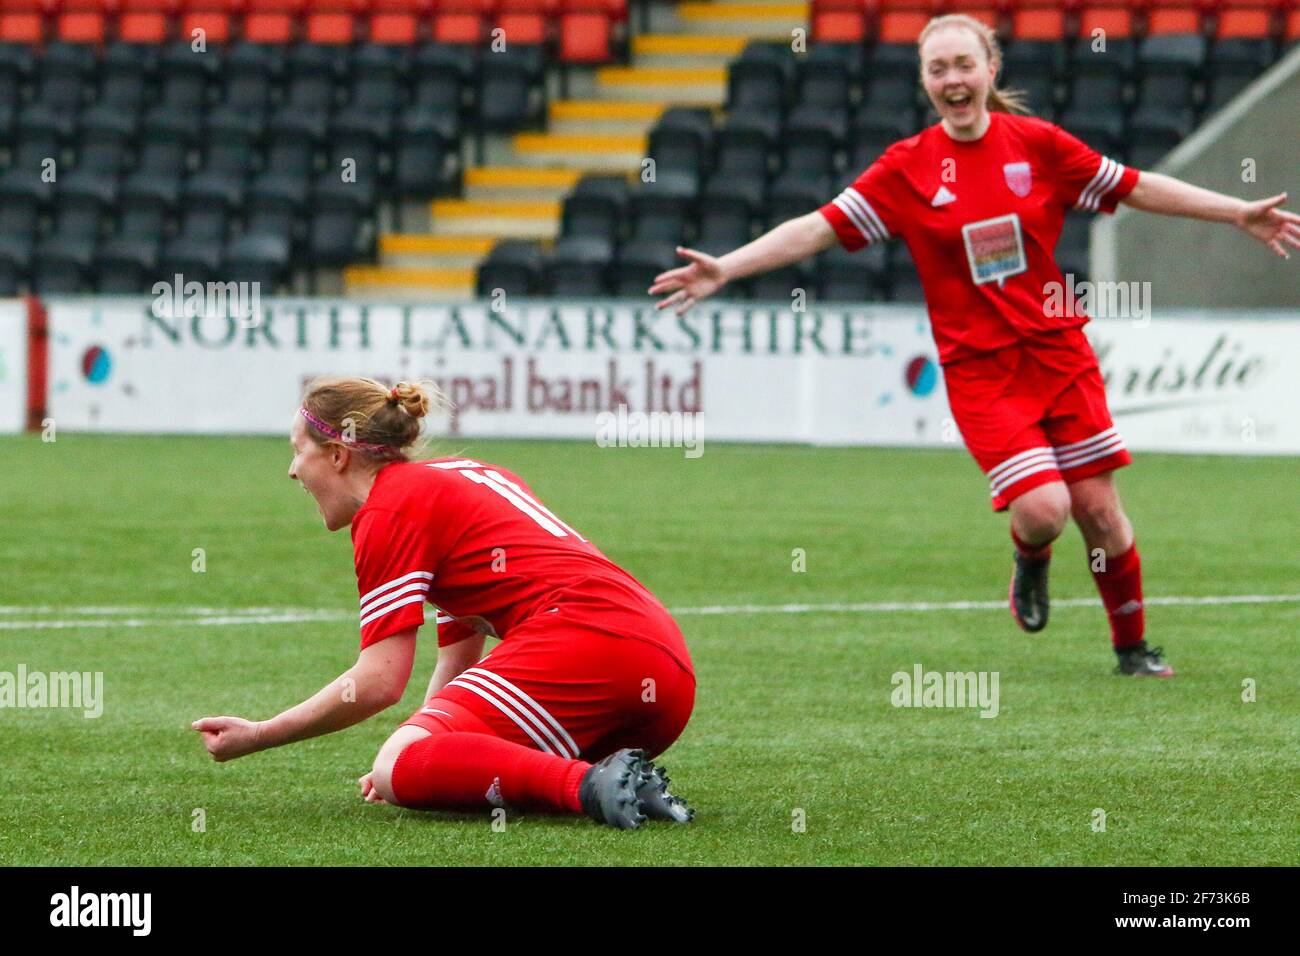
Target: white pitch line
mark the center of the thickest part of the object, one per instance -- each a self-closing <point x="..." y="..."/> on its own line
<point x="149" y="609"/>
<point x="232" y="617"/>
<point x="223" y="620"/>
<point x="886" y="607"/>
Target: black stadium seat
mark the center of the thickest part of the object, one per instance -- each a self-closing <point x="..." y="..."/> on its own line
<point x="277" y="204"/>
<point x="127" y="264"/>
<point x="426" y="155"/>
<point x="62" y="265"/>
<point x="511" y="92"/>
<point x="340" y="228"/>
<point x="851" y="277"/>
<point x="198" y="260"/>
<point x="257" y="258"/>
<point x="23" y="196"/>
<point x="146" y="206"/>
<point x="598" y="206"/>
<point x="516" y="266"/>
<point x="796" y="193"/>
<point x="580" y="267"/>
<point x="663" y="210"/>
<point x="728" y="209"/>
<point x="639" y="261"/>
<point x="759" y="83"/>
<point x="747" y="142"/>
<point x="683" y="141"/>
<point x="872" y="133"/>
<point x="780" y="285"/>
<point x="829" y="75"/>
<point x="813" y="139"/>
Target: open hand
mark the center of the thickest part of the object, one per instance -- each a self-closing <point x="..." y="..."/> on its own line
<point x="1270" y="225"/>
<point x="691" y="283"/>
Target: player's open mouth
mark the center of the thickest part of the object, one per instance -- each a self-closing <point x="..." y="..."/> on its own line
<point x="957" y="99"/>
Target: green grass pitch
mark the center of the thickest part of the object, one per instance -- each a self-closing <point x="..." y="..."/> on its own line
<point x="793" y="718"/>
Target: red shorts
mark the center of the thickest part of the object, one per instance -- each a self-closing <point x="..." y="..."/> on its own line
<point x="560" y="686"/>
<point x="1035" y="412"/>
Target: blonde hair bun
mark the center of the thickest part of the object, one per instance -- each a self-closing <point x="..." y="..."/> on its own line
<point x="413" y="398"/>
<point x="379" y="422"/>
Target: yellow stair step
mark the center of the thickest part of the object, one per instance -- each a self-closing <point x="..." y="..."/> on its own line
<point x="424" y="244"/>
<point x="491" y="209"/>
<point x="579" y="143"/>
<point x="667" y="44"/>
<point x="606" y="110"/>
<point x="743" y="11"/>
<point x="661" y="76"/>
<point x="521" y="177"/>
<point x="409" y="278"/>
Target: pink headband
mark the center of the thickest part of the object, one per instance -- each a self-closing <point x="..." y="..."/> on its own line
<point x="329" y="431"/>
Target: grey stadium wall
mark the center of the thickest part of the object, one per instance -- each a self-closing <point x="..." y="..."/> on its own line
<point x="1193" y="264"/>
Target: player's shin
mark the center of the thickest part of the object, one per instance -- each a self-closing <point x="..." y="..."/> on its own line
<point x="1119" y="581"/>
<point x="466" y="770"/>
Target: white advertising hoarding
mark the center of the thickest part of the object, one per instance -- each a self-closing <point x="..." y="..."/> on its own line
<point x="828" y="375"/>
<point x="13" y="366"/>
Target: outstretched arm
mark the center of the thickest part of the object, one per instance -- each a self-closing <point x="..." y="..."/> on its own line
<point x="374" y="683"/>
<point x="1262" y="219"/>
<point x="788" y="243"/>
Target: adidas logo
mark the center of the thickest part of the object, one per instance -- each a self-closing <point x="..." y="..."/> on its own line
<point x="942" y="197"/>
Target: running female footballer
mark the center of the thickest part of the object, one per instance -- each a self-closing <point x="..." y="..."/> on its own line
<point x="980" y="198"/>
<point x="591" y="679"/>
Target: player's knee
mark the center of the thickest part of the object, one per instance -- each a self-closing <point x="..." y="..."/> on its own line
<point x="381" y="772"/>
<point x="1043" y="512"/>
<point x="1098" y="515"/>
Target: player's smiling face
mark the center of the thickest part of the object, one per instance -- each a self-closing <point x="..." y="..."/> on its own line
<point x="957" y="76"/>
<point x="321" y="469"/>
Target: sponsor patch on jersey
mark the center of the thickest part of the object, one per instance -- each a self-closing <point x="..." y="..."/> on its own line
<point x="994" y="248"/>
<point x="1019" y="178"/>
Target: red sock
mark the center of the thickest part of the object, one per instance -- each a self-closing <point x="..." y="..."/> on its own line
<point x="1035" y="551"/>
<point x="457" y="770"/>
<point x="1120" y="585"/>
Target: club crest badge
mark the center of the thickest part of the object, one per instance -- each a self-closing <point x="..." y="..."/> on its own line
<point x="1019" y="178"/>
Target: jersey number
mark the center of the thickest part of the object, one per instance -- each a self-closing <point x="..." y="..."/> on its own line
<point x="511" y="492"/>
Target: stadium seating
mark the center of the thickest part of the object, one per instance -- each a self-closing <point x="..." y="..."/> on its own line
<point x="253" y="137"/>
<point x="797" y="128"/>
<point x="269" y="148"/>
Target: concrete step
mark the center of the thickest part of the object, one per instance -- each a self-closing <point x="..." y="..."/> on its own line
<point x="751" y="19"/>
<point x="425" y="251"/>
<point x="505" y="219"/>
<point x="519" y="182"/>
<point x="704" y="50"/>
<point x="677" y="85"/>
<point x="442" y="285"/>
<point x="587" y="152"/>
<point x="586" y="117"/>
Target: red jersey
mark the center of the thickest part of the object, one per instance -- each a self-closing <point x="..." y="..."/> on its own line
<point x="472" y="539"/>
<point x="981" y="220"/>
